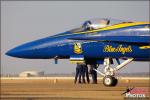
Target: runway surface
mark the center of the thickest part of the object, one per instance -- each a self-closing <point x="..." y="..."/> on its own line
<point x="65" y="89"/>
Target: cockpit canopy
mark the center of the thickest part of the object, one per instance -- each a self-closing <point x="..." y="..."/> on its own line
<point x="97" y="24"/>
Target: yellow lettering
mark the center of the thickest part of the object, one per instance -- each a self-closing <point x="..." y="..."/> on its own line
<point x="120" y="48"/>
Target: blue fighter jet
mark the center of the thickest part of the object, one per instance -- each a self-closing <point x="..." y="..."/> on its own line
<point x="97" y="41"/>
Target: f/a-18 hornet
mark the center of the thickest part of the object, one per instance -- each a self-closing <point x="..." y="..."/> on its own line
<point x="97" y="41"/>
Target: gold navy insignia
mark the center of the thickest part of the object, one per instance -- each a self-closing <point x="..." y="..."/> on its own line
<point x="77" y="48"/>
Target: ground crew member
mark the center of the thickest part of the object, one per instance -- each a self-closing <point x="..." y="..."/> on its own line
<point x="93" y="73"/>
<point x="78" y="73"/>
<point x="86" y="73"/>
<point x="82" y="75"/>
<point x="81" y="72"/>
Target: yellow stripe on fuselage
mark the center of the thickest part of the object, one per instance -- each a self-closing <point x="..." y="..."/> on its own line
<point x="77" y="61"/>
<point x="144" y="47"/>
<point x="116" y="26"/>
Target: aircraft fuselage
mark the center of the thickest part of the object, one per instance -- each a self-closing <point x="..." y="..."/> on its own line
<point x="91" y="44"/>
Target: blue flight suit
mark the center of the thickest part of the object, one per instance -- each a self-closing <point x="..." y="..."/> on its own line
<point x="82" y="75"/>
<point x="86" y="73"/>
<point x="81" y="72"/>
<point x="78" y="73"/>
<point x="94" y="74"/>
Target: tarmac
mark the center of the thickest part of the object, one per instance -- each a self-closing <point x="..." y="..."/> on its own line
<point x="63" y="88"/>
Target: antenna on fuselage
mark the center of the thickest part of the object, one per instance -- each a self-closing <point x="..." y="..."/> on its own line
<point x="56" y="59"/>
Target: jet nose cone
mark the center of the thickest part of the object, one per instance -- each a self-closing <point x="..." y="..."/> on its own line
<point x="23" y="51"/>
<point x="39" y="49"/>
<point x="16" y="52"/>
<point x="9" y="53"/>
<point x="33" y="50"/>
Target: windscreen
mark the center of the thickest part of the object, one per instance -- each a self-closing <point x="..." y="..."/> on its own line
<point x="97" y="24"/>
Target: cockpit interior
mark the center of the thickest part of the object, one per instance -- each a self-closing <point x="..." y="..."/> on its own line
<point x="95" y="24"/>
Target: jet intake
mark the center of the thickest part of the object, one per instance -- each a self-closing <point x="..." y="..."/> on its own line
<point x="77" y="59"/>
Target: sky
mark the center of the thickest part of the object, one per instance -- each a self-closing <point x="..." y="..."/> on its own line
<point x="24" y="21"/>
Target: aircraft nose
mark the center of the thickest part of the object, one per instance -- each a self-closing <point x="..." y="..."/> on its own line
<point x="10" y="52"/>
<point x="23" y="51"/>
<point x="38" y="49"/>
<point x="42" y="48"/>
